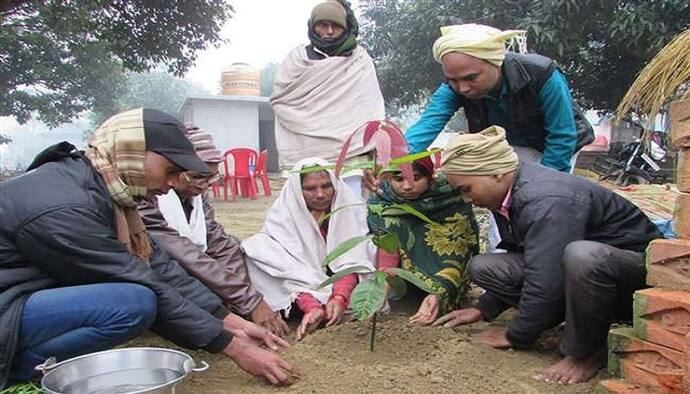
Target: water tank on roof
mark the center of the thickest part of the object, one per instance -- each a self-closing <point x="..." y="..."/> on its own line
<point x="241" y="80"/>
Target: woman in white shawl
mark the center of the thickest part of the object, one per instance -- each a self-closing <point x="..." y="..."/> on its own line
<point x="285" y="258"/>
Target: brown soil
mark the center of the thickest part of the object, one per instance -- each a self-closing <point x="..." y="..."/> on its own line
<point x="406" y="359"/>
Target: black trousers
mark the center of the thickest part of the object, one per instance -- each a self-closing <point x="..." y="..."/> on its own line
<point x="599" y="283"/>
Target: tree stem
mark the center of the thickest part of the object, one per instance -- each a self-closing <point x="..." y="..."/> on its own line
<point x="373" y="332"/>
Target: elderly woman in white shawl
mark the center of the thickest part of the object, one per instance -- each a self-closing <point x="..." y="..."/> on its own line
<point x="285" y="258"/>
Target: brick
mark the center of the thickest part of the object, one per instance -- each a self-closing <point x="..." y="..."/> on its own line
<point x="662" y="317"/>
<point x="680" y="124"/>
<point x="620" y="386"/>
<point x="652" y="378"/>
<point x="668" y="264"/>
<point x="645" y="363"/>
<point x="683" y="170"/>
<point x="681" y="216"/>
<point x="686" y="381"/>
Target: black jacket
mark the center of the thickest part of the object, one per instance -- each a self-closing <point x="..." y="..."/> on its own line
<point x="549" y="210"/>
<point x="526" y="75"/>
<point x="57" y="230"/>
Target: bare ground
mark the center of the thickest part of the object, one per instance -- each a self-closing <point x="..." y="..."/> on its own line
<point x="406" y="359"/>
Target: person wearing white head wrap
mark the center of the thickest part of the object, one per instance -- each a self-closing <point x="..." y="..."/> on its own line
<point x="574" y="252"/>
<point x="285" y="259"/>
<point x="483" y="42"/>
<point x="525" y="94"/>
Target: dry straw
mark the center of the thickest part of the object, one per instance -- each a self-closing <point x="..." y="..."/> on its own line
<point x="663" y="79"/>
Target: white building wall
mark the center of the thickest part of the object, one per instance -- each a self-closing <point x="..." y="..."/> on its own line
<point x="233" y="124"/>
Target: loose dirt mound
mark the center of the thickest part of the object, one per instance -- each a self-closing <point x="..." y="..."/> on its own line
<point x="406" y="360"/>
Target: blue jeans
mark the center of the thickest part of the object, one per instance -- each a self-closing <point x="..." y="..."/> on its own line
<point x="71" y="321"/>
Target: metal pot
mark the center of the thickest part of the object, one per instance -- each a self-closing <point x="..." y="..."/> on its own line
<point x="129" y="370"/>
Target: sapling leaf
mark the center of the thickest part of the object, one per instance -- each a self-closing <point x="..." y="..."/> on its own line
<point x="312" y="169"/>
<point x="398" y="285"/>
<point x="367" y="298"/>
<point x="380" y="277"/>
<point x="324" y="217"/>
<point x="359" y="165"/>
<point x="387" y="242"/>
<point x="376" y="209"/>
<point x="345" y="247"/>
<point x="358" y="269"/>
<point x="410" y="277"/>
<point x="402" y="209"/>
<point x="413" y="157"/>
<point x="370" y="130"/>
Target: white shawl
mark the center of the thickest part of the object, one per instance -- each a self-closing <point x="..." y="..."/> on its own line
<point x="319" y="103"/>
<point x="285" y="258"/>
<point x="170" y="206"/>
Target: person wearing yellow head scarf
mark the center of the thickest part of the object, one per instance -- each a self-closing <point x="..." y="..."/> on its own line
<point x="526" y="94"/>
<point x="78" y="271"/>
<point x="575" y="252"/>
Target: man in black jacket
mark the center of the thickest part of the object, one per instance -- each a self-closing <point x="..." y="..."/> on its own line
<point x="77" y="271"/>
<point x="575" y="251"/>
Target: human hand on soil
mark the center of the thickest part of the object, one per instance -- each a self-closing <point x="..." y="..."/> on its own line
<point x="310" y="321"/>
<point x="334" y="311"/>
<point x="251" y="332"/>
<point x="265" y="317"/>
<point x="259" y="362"/>
<point x="427" y="312"/>
<point x="494" y="337"/>
<point x="459" y="316"/>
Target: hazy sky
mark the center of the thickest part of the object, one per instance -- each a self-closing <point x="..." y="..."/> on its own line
<point x="260" y="32"/>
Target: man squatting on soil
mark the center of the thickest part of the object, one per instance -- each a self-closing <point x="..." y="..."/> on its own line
<point x="575" y="252"/>
<point x="183" y="223"/>
<point x="78" y="271"/>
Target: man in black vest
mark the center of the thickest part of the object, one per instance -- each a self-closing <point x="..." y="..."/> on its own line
<point x="525" y="94"/>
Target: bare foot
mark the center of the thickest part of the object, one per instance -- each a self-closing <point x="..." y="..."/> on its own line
<point x="572" y="370"/>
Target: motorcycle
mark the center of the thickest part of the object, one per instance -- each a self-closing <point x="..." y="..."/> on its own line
<point x="642" y="161"/>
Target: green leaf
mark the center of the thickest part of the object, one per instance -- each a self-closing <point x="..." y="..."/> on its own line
<point x="410" y="277"/>
<point x="313" y="168"/>
<point x="329" y="214"/>
<point x="357" y="166"/>
<point x="345" y="247"/>
<point x="402" y="209"/>
<point x="413" y="157"/>
<point x="376" y="209"/>
<point x="358" y="269"/>
<point x="380" y="277"/>
<point x="367" y="298"/>
<point x="398" y="285"/>
<point x="387" y="242"/>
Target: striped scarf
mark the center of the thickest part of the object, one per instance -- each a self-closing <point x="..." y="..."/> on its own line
<point x="117" y="151"/>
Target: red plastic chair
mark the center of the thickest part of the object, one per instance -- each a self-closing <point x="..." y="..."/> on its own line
<point x="241" y="178"/>
<point x="262" y="173"/>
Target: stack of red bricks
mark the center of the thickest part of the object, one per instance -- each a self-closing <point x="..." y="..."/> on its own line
<point x="653" y="356"/>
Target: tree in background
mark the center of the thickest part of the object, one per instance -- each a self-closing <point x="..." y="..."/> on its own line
<point x="157" y="90"/>
<point x="61" y="58"/>
<point x="601" y="45"/>
<point x="268" y="78"/>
